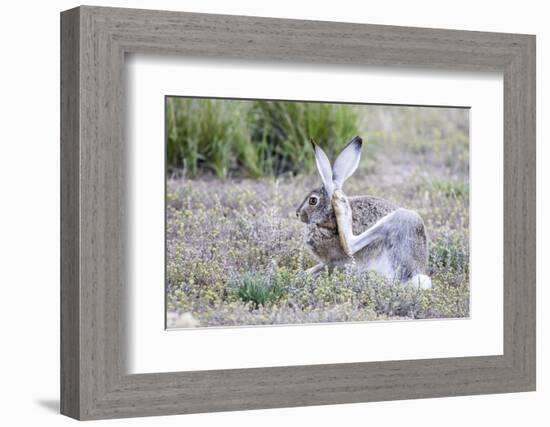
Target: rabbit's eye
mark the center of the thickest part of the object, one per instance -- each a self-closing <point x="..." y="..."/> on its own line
<point x="313" y="200"/>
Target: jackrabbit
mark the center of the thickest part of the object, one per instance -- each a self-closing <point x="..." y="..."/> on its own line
<point x="377" y="234"/>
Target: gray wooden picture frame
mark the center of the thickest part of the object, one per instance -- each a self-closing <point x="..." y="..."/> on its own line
<point x="94" y="41"/>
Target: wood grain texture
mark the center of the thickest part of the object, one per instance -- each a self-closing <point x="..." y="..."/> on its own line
<point x="94" y="382"/>
<point x="70" y="259"/>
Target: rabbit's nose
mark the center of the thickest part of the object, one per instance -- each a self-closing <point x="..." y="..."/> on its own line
<point x="301" y="215"/>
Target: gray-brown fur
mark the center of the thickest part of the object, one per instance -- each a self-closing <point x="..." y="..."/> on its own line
<point x="322" y="238"/>
<point x="372" y="232"/>
<point x="321" y="232"/>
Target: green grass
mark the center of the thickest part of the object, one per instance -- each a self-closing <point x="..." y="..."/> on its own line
<point x="281" y="133"/>
<point x="450" y="254"/>
<point x="207" y="136"/>
<point x="259" y="291"/>
<point x="252" y="138"/>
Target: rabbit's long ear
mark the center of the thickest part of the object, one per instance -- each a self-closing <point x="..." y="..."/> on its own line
<point x="323" y="166"/>
<point x="347" y="161"/>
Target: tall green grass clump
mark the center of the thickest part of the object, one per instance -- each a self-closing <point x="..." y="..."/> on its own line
<point x="252" y="138"/>
<point x="282" y="131"/>
<point x="207" y="135"/>
<point x="259" y="291"/>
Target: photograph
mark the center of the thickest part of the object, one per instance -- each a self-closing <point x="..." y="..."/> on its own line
<point x="286" y="212"/>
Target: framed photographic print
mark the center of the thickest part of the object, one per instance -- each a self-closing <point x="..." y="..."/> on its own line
<point x="261" y="213"/>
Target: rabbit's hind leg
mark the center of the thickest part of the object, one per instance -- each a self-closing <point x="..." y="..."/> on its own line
<point x="401" y="235"/>
<point x="406" y="242"/>
<point x="351" y="243"/>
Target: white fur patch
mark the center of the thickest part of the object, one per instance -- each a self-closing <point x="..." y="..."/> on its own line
<point x="421" y="281"/>
<point x="382" y="266"/>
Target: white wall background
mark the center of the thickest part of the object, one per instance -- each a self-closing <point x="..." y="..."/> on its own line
<point x="29" y="212"/>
